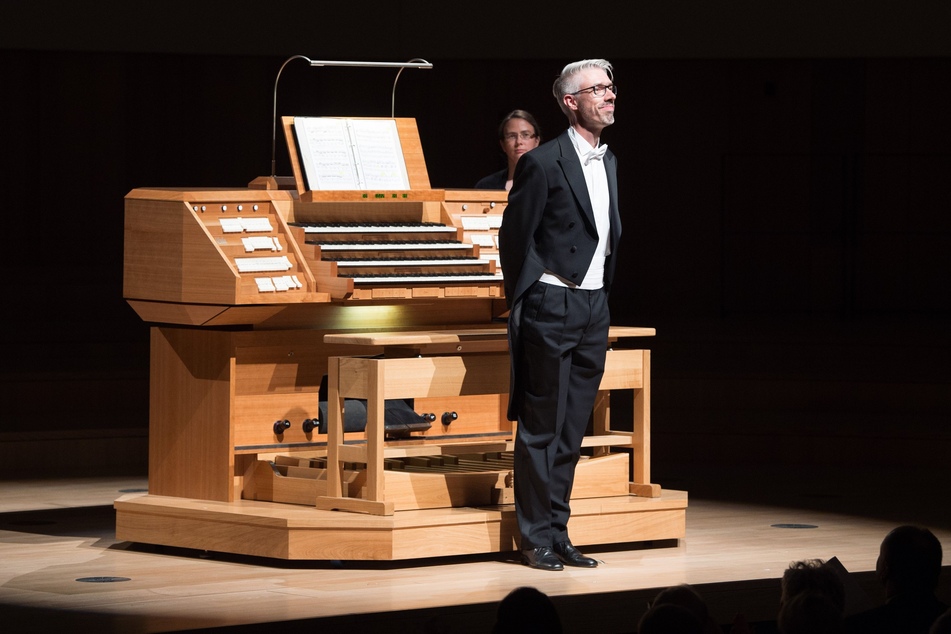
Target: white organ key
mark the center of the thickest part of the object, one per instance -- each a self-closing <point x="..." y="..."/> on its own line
<point x="262" y="243"/>
<point x="475" y="223"/>
<point x="265" y="285"/>
<point x="231" y="225"/>
<point x="256" y="224"/>
<point x="260" y="265"/>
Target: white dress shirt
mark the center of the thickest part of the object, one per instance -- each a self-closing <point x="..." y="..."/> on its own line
<point x="597" y="181"/>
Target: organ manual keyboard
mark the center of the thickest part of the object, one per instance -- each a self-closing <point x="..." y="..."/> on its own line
<point x="256" y="296"/>
<point x="408" y="259"/>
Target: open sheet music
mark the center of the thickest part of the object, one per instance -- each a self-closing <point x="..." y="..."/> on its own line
<point x="351" y="154"/>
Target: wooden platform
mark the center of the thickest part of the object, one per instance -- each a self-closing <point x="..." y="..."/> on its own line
<point x="285" y="531"/>
<point x="64" y="569"/>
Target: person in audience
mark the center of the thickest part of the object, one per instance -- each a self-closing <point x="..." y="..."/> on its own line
<point x="518" y="133"/>
<point x="527" y="610"/>
<point x="812" y="599"/>
<point x="908" y="567"/>
<point x="812" y="576"/>
<point x="810" y="612"/>
<point x="669" y="618"/>
<point x="687" y="597"/>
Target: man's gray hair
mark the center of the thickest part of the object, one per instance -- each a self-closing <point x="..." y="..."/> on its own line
<point x="567" y="81"/>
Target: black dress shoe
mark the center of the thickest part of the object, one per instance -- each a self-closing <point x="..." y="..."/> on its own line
<point x="543" y="558"/>
<point x="571" y="556"/>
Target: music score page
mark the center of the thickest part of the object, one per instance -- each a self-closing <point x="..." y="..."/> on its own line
<point x="351" y="154"/>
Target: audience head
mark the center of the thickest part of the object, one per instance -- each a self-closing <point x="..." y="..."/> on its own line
<point x="687" y="597"/>
<point x="812" y="576"/>
<point x="809" y="612"/>
<point x="669" y="618"/>
<point x="526" y="610"/>
<point x="909" y="560"/>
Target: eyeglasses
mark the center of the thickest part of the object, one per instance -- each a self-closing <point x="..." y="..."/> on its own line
<point x="597" y="91"/>
<point x="525" y="136"/>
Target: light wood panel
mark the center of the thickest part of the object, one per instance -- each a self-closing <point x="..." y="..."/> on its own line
<point x="175" y="249"/>
<point x="283" y="531"/>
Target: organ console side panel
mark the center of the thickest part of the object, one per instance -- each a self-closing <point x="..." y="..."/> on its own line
<point x="212" y="247"/>
<point x="191" y="443"/>
<point x="216" y="396"/>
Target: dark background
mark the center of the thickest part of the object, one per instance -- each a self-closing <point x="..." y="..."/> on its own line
<point x="785" y="175"/>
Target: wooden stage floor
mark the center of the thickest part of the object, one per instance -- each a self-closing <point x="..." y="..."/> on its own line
<point x="63" y="570"/>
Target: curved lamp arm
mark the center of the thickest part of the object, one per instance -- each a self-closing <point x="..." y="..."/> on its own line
<point x="414" y="63"/>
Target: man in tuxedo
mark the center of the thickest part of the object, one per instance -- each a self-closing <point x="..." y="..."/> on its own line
<point x="557" y="245"/>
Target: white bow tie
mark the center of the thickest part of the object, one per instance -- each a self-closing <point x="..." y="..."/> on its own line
<point x="596" y="154"/>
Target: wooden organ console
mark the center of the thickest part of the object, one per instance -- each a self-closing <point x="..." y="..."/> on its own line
<point x="257" y="295"/>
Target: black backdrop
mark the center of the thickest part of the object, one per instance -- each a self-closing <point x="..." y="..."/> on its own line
<point x="784" y="189"/>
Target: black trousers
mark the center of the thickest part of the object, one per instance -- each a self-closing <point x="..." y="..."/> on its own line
<point x="559" y="362"/>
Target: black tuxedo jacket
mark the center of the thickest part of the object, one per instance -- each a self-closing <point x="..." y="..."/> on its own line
<point x="549" y="224"/>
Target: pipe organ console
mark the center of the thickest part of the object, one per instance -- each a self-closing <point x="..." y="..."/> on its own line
<point x="256" y="296"/>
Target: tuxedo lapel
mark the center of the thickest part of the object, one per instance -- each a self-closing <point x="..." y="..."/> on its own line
<point x="574" y="176"/>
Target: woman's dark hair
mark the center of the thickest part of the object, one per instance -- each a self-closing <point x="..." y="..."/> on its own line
<point x="520" y="114"/>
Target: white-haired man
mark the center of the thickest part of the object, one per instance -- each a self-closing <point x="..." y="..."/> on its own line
<point x="557" y="243"/>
